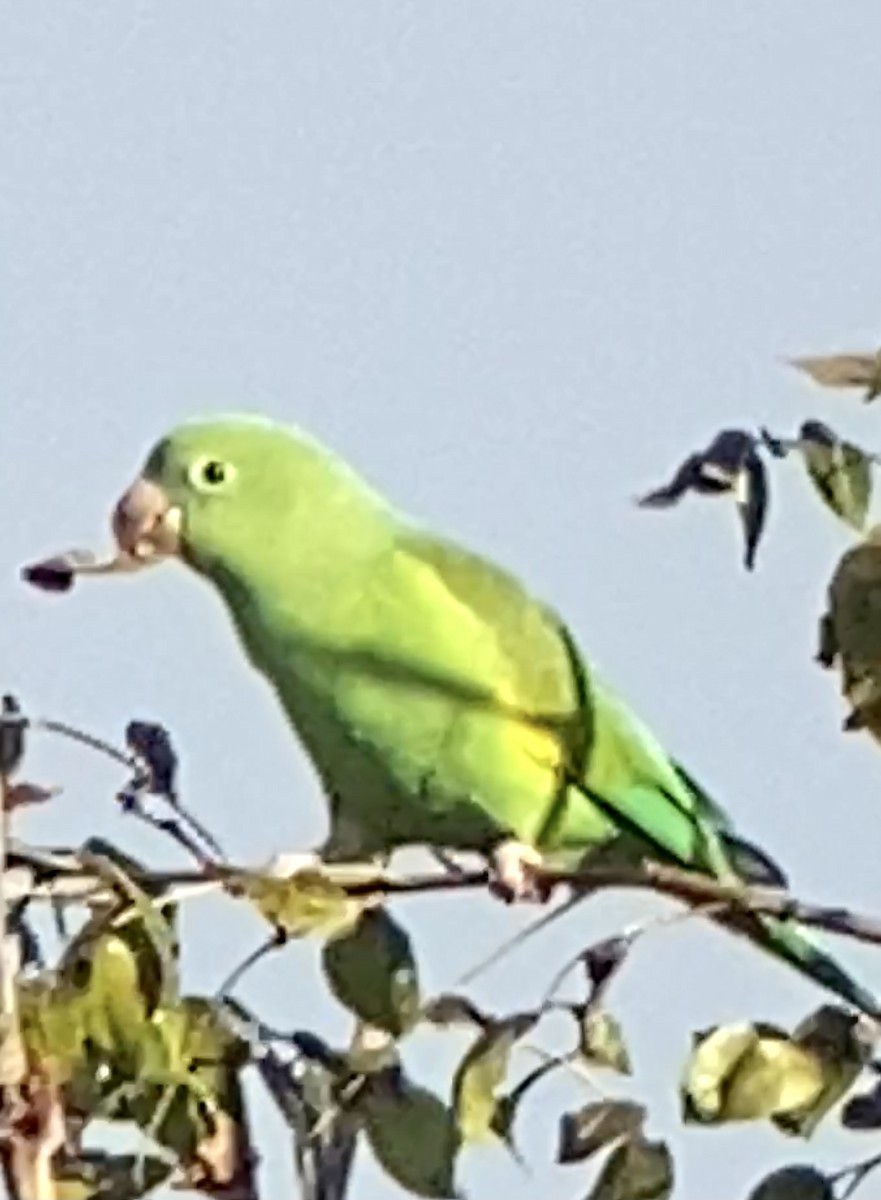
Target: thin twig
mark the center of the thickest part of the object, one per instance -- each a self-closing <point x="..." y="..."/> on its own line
<point x="132" y="763"/>
<point x="857" y="1173"/>
<point x="86" y="739"/>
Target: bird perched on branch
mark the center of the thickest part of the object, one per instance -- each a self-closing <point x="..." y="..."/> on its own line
<point x="440" y="702"/>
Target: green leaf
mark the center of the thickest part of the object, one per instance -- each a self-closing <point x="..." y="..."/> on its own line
<point x="793" y="1183"/>
<point x="636" y="1170"/>
<point x="372" y="971"/>
<point x="305" y="903"/>
<point x="851" y="631"/>
<point x="105" y="972"/>
<point x="584" y="1132"/>
<point x="482" y="1072"/>
<point x="775" y="1079"/>
<point x="832" y="1035"/>
<point x="840" y="471"/>
<point x="715" y="1055"/>
<point x="601" y="1041"/>
<point x="749" y="1072"/>
<point x="411" y="1132"/>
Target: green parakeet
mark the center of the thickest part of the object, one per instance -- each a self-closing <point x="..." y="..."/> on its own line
<point x="440" y="703"/>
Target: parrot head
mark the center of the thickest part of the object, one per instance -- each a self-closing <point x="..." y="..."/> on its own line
<point x="224" y="493"/>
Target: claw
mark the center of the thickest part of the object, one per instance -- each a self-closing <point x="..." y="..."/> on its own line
<point x="517" y="868"/>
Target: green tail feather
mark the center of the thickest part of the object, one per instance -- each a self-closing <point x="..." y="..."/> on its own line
<point x="788" y="942"/>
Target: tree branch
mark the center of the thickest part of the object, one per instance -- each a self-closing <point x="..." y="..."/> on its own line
<point x="59" y="874"/>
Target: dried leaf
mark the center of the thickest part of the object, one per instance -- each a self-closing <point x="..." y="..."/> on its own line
<point x="372" y="971"/>
<point x="637" y="1169"/>
<point x="305" y="903"/>
<point x="411" y="1132"/>
<point x="844" y="371"/>
<point x="793" y="1183"/>
<point x="601" y="1041"/>
<point x="584" y="1132"/>
<point x="482" y="1072"/>
<point x="23" y="795"/>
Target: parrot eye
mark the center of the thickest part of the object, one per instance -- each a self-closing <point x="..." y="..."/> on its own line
<point x="210" y="474"/>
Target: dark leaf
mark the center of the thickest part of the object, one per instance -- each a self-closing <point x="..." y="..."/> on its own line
<point x="52" y="575"/>
<point x="751" y="493"/>
<point x="725" y="456"/>
<point x="316" y="1050"/>
<point x="12" y="734"/>
<point x="482" y="1072"/>
<point x="636" y="1170"/>
<point x="152" y="744"/>
<point x="730" y="464"/>
<point x="584" y="1132"/>
<point x="818" y="433"/>
<point x="412" y="1134"/>
<point x="372" y="971"/>
<point x="793" y="1183"/>
<point x="449" y="1009"/>
<point x="602" y="960"/>
<point x="686" y="479"/>
<point x="864" y="1111"/>
<point x="600" y="1039"/>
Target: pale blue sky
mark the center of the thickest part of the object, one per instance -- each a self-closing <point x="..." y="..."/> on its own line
<point x="513" y="259"/>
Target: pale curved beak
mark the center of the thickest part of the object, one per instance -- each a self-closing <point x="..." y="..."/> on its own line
<point x="145" y="524"/>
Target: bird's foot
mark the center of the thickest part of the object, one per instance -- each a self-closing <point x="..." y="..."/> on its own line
<point x="516" y="868"/>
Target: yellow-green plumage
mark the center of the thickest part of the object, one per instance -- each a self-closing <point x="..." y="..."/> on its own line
<point x="439" y="701"/>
